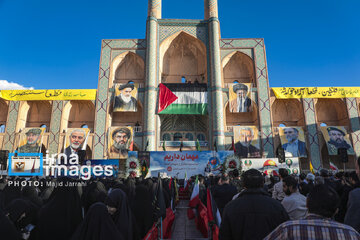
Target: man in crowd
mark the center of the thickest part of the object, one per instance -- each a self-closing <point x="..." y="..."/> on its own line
<point x="77" y="138"/>
<point x="223" y="193"/>
<point x="278" y="192"/>
<point x="352" y="216"/>
<point x="121" y="138"/>
<point x="254" y="214"/>
<point x="294" y="146"/>
<point x="294" y="202"/>
<point x="241" y="103"/>
<point x="244" y="148"/>
<point x="124" y="102"/>
<point x="322" y="204"/>
<point x="337" y="141"/>
<point x="32" y="137"/>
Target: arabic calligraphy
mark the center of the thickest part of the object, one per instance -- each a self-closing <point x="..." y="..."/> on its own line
<point x="172" y="157"/>
<point x="316" y="92"/>
<point x="51" y="94"/>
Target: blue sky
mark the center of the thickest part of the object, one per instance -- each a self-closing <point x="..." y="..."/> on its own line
<point x="56" y="44"/>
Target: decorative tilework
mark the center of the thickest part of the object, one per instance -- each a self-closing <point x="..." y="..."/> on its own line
<point x="56" y="112"/>
<point x="216" y="84"/>
<point x="196" y="31"/>
<point x="353" y="113"/>
<point x="312" y="132"/>
<point x="9" y="138"/>
<point x="103" y="99"/>
<point x="152" y="53"/>
<point x="213" y="8"/>
<point x="254" y="48"/>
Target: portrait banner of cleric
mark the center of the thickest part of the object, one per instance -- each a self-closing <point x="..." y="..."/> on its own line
<point x="336" y="137"/>
<point x="240" y="97"/>
<point x="76" y="139"/>
<point x="246" y="141"/>
<point x="120" y="140"/>
<point x="293" y="141"/>
<point x="30" y="140"/>
<point x="125" y="98"/>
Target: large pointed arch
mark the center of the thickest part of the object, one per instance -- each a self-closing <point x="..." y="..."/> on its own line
<point x="182" y="55"/>
<point x="238" y="66"/>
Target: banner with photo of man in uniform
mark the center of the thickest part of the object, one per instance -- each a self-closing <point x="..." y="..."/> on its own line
<point x="30" y="140"/>
<point x="246" y="140"/>
<point x="126" y="96"/>
<point x="240" y="97"/>
<point x="293" y="141"/>
<point x="75" y="140"/>
<point x="120" y="141"/>
<point x="337" y="137"/>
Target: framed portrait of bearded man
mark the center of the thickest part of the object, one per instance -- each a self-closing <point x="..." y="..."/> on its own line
<point x="75" y="140"/>
<point x="30" y="140"/>
<point x="126" y="96"/>
<point x="120" y="141"/>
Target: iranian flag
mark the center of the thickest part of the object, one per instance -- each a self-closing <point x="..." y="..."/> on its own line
<point x="333" y="167"/>
<point x="182" y="98"/>
<point x="194" y="200"/>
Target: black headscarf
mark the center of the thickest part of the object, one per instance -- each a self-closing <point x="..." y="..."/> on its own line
<point x="97" y="225"/>
<point x="123" y="217"/>
<point x="143" y="209"/>
<point x="59" y="218"/>
<point x="7" y="229"/>
<point x="95" y="192"/>
<point x="11" y="193"/>
<point x="31" y="194"/>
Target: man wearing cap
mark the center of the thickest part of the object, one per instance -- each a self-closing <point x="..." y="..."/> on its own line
<point x="124" y="102"/>
<point x="241" y="103"/>
<point x="32" y="137"/>
<point x="121" y="138"/>
<point x="337" y="141"/>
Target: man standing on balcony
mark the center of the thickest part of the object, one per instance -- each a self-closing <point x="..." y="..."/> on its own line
<point x="241" y="103"/>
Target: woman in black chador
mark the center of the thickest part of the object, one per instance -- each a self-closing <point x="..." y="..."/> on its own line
<point x="97" y="225"/>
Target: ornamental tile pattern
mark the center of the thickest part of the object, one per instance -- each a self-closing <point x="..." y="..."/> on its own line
<point x="9" y="138"/>
<point x="353" y="113"/>
<point x="54" y="136"/>
<point x="312" y="132"/>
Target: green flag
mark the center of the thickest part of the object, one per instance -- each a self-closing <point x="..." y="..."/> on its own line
<point x="164" y="148"/>
<point x="198" y="148"/>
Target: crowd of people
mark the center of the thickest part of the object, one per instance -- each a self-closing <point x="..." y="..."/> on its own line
<point x="251" y="205"/>
<point x="65" y="209"/>
<point x="310" y="206"/>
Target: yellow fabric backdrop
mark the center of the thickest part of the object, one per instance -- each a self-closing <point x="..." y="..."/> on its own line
<point x="53" y="94"/>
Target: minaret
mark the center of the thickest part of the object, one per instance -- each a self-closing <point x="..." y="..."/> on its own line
<point x="218" y="133"/>
<point x="152" y="51"/>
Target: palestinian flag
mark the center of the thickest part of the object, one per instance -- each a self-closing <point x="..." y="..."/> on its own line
<point x="333" y="167"/>
<point x="180" y="98"/>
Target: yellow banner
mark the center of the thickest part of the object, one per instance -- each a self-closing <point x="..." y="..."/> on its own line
<point x="316" y="92"/>
<point x="53" y="94"/>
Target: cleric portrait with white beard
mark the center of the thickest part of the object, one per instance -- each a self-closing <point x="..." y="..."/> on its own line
<point x="125" y="99"/>
<point x="120" y="141"/>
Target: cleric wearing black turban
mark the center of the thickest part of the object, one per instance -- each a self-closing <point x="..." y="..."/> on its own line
<point x="124" y="102"/>
<point x="241" y="103"/>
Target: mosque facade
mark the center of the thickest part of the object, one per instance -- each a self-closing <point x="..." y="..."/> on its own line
<point x="181" y="51"/>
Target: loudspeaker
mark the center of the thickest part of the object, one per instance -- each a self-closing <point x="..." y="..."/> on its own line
<point x="342" y="152"/>
<point x="281" y="155"/>
<point x="4" y="155"/>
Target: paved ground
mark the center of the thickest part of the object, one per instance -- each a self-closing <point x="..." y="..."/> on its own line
<point x="183" y="227"/>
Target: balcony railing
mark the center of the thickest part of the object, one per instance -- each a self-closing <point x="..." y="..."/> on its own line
<point x="185" y="143"/>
